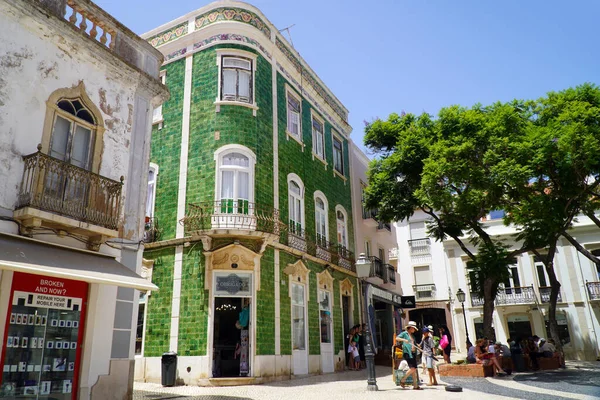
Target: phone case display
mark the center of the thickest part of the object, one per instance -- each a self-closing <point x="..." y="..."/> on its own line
<point x="41" y="349"/>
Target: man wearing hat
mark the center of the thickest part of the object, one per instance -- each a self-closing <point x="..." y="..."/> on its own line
<point x="409" y="352"/>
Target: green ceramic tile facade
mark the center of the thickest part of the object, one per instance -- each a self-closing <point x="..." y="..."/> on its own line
<point x="166" y="151"/>
<point x="158" y="320"/>
<point x="313" y="173"/>
<point x="193" y="308"/>
<point x="210" y="130"/>
<point x="265" y="305"/>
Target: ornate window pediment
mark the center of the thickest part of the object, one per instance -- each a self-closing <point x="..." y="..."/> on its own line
<point x="325" y="281"/>
<point x="346" y="287"/>
<point x="298" y="272"/>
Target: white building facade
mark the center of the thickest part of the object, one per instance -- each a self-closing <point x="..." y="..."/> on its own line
<point x="521" y="307"/>
<point x="382" y="289"/>
<point x="76" y="93"/>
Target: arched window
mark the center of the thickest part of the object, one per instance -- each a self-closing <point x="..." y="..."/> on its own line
<point x="321" y="221"/>
<point x="296" y="205"/>
<point x="73" y="133"/>
<point x="235" y="179"/>
<point x="151" y="196"/>
<point x="342" y="226"/>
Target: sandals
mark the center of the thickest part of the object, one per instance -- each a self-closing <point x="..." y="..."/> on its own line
<point x="418" y="388"/>
<point x="403" y="385"/>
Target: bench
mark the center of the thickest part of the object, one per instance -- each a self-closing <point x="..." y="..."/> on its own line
<point x="466" y="370"/>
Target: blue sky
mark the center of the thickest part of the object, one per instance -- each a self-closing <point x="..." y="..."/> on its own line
<point x="387" y="56"/>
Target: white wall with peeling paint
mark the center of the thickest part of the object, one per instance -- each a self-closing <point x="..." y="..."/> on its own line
<point x="39" y="54"/>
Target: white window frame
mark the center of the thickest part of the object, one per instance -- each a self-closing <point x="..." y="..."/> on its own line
<point x="320" y="195"/>
<point x="291" y="92"/>
<point x="237" y="54"/>
<point x="295" y="178"/>
<point x="334" y="137"/>
<point x="151" y="202"/>
<point x="330" y="323"/>
<point x="218" y="157"/>
<point x="305" y="307"/>
<point x="157" y="115"/>
<point x="323" y="157"/>
<point x="339" y="208"/>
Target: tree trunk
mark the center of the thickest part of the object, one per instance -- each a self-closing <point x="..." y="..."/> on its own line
<point x="488" y="308"/>
<point x="555" y="290"/>
<point x="581" y="249"/>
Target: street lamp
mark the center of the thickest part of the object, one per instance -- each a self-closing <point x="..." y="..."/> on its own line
<point x="363" y="267"/>
<point x="460" y="295"/>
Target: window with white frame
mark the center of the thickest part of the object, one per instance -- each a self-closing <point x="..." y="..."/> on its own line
<point x="296" y="206"/>
<point x="342" y="226"/>
<point x="293" y="115"/>
<point x="157" y="116"/>
<point x="151" y="196"/>
<point x="338" y="155"/>
<point x="321" y="219"/>
<point x="318" y="138"/>
<point x="325" y="315"/>
<point x="236" y="79"/>
<point x="235" y="179"/>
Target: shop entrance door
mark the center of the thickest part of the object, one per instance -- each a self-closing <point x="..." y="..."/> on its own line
<point x="231" y="337"/>
<point x="326" y="324"/>
<point x="519" y="326"/>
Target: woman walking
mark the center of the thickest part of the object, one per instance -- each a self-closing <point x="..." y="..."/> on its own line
<point x="445" y="342"/>
<point x="409" y="351"/>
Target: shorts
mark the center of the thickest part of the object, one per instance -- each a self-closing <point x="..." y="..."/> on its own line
<point x="428" y="361"/>
<point x="356" y="359"/>
<point x="411" y="361"/>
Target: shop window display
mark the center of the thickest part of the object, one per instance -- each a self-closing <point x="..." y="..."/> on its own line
<point x="41" y="349"/>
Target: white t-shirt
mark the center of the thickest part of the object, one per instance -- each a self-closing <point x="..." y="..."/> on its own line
<point x="548" y="347"/>
<point x="492" y="349"/>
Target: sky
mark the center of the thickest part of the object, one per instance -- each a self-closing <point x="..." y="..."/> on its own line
<point x="416" y="56"/>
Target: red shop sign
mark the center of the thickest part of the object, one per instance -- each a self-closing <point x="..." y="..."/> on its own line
<point x="56" y="307"/>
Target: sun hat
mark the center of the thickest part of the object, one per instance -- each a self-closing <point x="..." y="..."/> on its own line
<point x="411" y="324"/>
<point x="542" y="339"/>
<point x="426" y="330"/>
<point x="430" y="327"/>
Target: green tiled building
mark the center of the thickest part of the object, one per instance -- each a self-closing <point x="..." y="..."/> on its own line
<point x="249" y="216"/>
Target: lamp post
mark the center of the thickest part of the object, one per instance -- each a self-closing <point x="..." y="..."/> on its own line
<point x="460" y="295"/>
<point x="363" y="267"/>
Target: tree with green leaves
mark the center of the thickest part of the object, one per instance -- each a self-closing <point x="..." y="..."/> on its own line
<point x="454" y="169"/>
<point x="562" y="154"/>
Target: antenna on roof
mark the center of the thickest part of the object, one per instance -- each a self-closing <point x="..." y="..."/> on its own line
<point x="289" y="33"/>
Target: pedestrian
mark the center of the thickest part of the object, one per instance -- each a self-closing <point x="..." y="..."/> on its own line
<point x="484" y="357"/>
<point x="445" y="342"/>
<point x="427" y="345"/>
<point x="361" y="345"/>
<point x="350" y="351"/>
<point x="470" y="353"/>
<point x="409" y="353"/>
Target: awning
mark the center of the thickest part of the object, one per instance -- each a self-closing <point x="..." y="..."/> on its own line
<point x="32" y="256"/>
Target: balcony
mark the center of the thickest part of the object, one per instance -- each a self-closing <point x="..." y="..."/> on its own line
<point x="593" y="290"/>
<point x="393" y="253"/>
<point x="229" y="214"/>
<point x="370" y="218"/>
<point x="515" y="296"/>
<point x="420" y="249"/>
<point x="545" y="294"/>
<point x="377" y="274"/>
<point x="384" y="226"/>
<point x="152" y="232"/>
<point x="424" y="291"/>
<point x="389" y="276"/>
<point x="318" y="247"/>
<point x="56" y="194"/>
<point x="476" y="300"/>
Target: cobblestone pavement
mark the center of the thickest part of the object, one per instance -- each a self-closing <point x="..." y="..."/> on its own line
<point x="580" y="381"/>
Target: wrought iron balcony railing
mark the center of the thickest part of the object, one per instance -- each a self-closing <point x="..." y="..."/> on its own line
<point x="424" y="291"/>
<point x="52" y="185"/>
<point x="593" y="290"/>
<point x="476" y="300"/>
<point x="385" y="225"/>
<point x="317" y="246"/>
<point x="545" y="294"/>
<point x="152" y="232"/>
<point x="391" y="273"/>
<point x="420" y="247"/>
<point x="369" y="214"/>
<point x="377" y="268"/>
<point x="232" y="214"/>
<point x="515" y="295"/>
